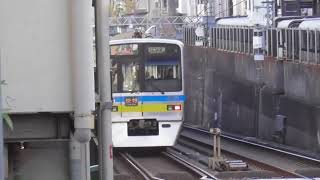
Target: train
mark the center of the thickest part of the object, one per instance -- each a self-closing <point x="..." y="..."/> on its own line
<point x="298" y="39"/>
<point x="291" y="38"/>
<point x="147" y="92"/>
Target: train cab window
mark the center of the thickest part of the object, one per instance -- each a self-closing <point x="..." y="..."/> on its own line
<point x="125" y="77"/>
<point x="162" y="72"/>
<point x="149" y="67"/>
<point x="125" y="68"/>
<point x="130" y="74"/>
<point x="115" y="77"/>
<point x="162" y="68"/>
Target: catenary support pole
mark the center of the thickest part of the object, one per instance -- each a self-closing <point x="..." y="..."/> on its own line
<point x="103" y="68"/>
<point x="1" y="132"/>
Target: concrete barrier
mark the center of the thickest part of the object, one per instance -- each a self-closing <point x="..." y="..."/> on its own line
<point x="278" y="104"/>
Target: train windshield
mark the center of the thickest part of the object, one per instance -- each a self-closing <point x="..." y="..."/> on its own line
<point x="151" y="67"/>
<point x="162" y="68"/>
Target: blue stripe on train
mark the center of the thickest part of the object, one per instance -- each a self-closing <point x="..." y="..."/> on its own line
<point x="154" y="98"/>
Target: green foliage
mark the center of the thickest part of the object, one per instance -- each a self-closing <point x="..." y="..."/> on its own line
<point x="122" y="8"/>
<point x="8" y="120"/>
<point x="6" y="116"/>
<point x="3" y="82"/>
<point x="130" y="6"/>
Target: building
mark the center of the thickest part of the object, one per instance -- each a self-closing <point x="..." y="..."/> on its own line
<point x="222" y="8"/>
<point x="239" y="8"/>
<point x="298" y="7"/>
<point x="217" y="8"/>
<point x="158" y="8"/>
<point x="155" y="8"/>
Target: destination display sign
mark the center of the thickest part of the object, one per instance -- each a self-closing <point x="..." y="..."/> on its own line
<point x="156" y="50"/>
<point x="131" y="101"/>
<point x="124" y="50"/>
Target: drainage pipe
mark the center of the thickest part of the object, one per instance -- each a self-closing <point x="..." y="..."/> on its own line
<point x="79" y="159"/>
<point x="83" y="69"/>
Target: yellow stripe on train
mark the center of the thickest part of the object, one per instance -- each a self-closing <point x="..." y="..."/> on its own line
<point x="149" y="108"/>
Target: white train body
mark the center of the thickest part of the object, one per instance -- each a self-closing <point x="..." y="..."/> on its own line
<point x="147" y="104"/>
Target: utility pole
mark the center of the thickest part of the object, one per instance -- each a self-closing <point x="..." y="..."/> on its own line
<point x="103" y="68"/>
<point x="207" y="13"/>
<point x="160" y="7"/>
<point x="148" y="15"/>
<point x="259" y="48"/>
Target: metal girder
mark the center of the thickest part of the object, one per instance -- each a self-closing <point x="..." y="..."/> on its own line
<point x="143" y="21"/>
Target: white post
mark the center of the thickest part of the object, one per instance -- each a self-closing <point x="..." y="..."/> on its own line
<point x="83" y="87"/>
<point x="83" y="72"/>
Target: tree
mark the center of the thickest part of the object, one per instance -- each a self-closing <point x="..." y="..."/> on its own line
<point x="130" y="6"/>
<point x="121" y="7"/>
<point x="5" y="116"/>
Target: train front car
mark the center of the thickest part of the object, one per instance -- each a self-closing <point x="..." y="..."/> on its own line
<point x="148" y="95"/>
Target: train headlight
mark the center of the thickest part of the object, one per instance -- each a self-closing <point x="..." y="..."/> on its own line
<point x="174" y="108"/>
<point x="114" y="108"/>
<point x="177" y="107"/>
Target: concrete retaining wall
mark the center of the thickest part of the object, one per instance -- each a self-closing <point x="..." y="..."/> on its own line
<point x="248" y="99"/>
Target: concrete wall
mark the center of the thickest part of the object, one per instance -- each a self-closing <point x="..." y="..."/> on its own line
<point x="248" y="99"/>
<point x="39" y="161"/>
<point x="45" y="155"/>
<point x="35" y="55"/>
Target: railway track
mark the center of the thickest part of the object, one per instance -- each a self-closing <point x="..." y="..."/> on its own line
<point x="189" y="160"/>
<point x="163" y="166"/>
<point x="269" y="162"/>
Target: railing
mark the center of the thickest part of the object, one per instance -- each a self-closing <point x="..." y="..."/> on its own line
<point x="301" y="46"/>
<point x="232" y="39"/>
<point x="298" y="45"/>
<point x="189" y="37"/>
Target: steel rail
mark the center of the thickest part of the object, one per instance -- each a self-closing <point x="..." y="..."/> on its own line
<point x="253" y="161"/>
<point x="197" y="170"/>
<point x="257" y="144"/>
<point x="262" y="165"/>
<point x="147" y="175"/>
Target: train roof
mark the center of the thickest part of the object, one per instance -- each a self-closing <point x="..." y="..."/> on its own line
<point x="312" y="25"/>
<point x="146" y="40"/>
<point x="295" y="22"/>
<point x="283" y="18"/>
<point x="288" y="23"/>
<point x="234" y="21"/>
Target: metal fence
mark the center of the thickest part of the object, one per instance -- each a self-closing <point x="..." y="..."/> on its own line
<point x="190" y="38"/>
<point x="298" y="45"/>
<point x="232" y="39"/>
<point x="301" y="46"/>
